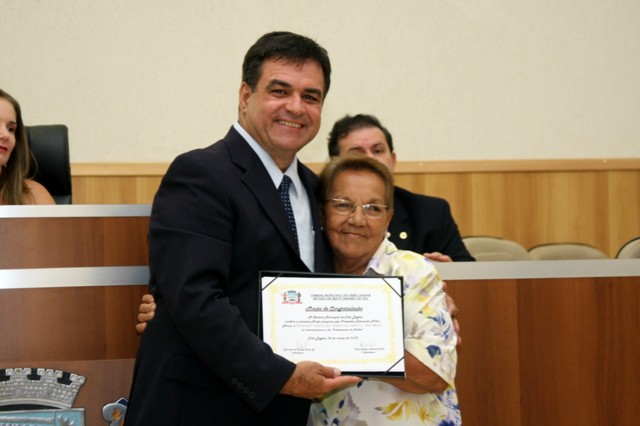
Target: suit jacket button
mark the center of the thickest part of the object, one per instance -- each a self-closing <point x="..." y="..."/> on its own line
<point x="252" y="395"/>
<point x="245" y="390"/>
<point x="234" y="381"/>
<point x="240" y="385"/>
<point x="403" y="235"/>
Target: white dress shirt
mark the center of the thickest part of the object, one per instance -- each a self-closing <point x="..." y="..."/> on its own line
<point x="297" y="193"/>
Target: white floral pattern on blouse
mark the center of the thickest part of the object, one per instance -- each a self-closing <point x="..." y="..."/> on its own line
<point x="429" y="336"/>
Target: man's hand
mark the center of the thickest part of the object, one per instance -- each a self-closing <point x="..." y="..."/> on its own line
<point x="437" y="257"/>
<point x="312" y="380"/>
<point x="146" y="312"/>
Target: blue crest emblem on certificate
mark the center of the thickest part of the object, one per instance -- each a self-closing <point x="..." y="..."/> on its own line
<point x="291" y="296"/>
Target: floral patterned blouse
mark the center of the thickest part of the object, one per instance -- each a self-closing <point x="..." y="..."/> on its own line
<point x="430" y="337"/>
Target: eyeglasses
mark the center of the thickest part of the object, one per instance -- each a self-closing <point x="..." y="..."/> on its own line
<point x="346" y="207"/>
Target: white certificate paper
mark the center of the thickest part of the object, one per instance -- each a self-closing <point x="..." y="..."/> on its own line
<point x="354" y="323"/>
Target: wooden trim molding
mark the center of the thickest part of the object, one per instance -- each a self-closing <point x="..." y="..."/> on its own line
<point x="119" y="169"/>
<point x="549" y="165"/>
<point x="403" y="167"/>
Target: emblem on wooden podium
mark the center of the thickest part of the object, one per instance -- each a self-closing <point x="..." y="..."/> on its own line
<point x="38" y="396"/>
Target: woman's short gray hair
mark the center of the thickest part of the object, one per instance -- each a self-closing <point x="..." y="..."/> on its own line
<point x="353" y="162"/>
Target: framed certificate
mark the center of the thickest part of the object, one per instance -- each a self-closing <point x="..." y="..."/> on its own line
<point x="352" y="322"/>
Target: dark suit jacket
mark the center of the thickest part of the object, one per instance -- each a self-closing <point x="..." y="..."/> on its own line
<point x="216" y="221"/>
<point x="424" y="224"/>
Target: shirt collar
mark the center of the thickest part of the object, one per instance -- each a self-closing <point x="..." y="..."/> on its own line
<point x="272" y="168"/>
<point x="381" y="259"/>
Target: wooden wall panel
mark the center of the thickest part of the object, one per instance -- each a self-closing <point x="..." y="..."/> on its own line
<point x="601" y="208"/>
<point x="488" y="363"/>
<point x="557" y="334"/>
<point x="597" y="203"/>
<point x="568" y="206"/>
<point x="624" y="214"/>
<point x="69" y="323"/>
<point x="548" y="351"/>
<point x="59" y="242"/>
<point x="114" y="189"/>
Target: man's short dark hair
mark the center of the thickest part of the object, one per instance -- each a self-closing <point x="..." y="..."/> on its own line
<point x="348" y="124"/>
<point x="287" y="46"/>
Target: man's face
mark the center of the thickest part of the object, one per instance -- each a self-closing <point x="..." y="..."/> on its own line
<point x="283" y="113"/>
<point x="371" y="142"/>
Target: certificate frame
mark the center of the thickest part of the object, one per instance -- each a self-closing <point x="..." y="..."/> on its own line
<point x="352" y="322"/>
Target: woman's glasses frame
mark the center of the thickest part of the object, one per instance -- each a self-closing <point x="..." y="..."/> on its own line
<point x="347" y="207"/>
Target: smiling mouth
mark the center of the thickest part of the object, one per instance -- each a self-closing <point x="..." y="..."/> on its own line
<point x="290" y="124"/>
<point x="353" y="234"/>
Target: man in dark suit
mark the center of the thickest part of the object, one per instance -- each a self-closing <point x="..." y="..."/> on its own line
<point x="420" y="223"/>
<point x="216" y="221"/>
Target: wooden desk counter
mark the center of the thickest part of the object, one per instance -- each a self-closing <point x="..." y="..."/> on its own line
<point x="548" y="342"/>
<point x="73" y="236"/>
<point x="71" y="279"/>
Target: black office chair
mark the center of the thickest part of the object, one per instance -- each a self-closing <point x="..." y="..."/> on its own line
<point x="50" y="154"/>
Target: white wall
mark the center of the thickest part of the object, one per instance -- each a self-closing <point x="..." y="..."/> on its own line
<point x="145" y="80"/>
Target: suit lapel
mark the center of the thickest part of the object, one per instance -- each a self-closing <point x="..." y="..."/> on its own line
<point x="323" y="258"/>
<point x="400" y="226"/>
<point x="257" y="180"/>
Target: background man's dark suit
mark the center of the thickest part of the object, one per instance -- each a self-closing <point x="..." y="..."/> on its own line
<point x="426" y="225"/>
<point x="218" y="212"/>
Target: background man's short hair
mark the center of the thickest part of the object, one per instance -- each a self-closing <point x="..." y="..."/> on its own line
<point x="348" y="124"/>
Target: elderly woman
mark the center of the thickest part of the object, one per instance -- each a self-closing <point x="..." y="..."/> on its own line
<point x="356" y="198"/>
<point x="15" y="187"/>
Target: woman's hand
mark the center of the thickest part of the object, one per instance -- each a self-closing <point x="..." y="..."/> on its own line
<point x="146" y="312"/>
<point x="419" y="378"/>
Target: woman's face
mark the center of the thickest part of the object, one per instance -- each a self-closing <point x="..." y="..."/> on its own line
<point x="354" y="236"/>
<point x="8" y="126"/>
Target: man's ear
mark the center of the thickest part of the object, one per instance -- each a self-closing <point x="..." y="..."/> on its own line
<point x="245" y="94"/>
